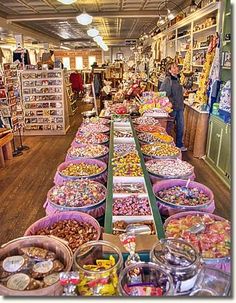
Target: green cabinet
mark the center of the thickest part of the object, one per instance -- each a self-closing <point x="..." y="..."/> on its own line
<point x="218" y="148"/>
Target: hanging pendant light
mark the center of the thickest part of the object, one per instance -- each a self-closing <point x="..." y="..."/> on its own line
<point x="193" y="7"/>
<point x="170" y="16"/>
<point x="67" y="1"/>
<point x="98" y="39"/>
<point x="84" y="19"/>
<point x="92" y="32"/>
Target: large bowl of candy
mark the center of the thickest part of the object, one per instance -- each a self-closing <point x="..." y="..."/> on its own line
<point x="81" y="168"/>
<point x="160" y="151"/>
<point x="169" y="168"/>
<point x="155" y="137"/>
<point x="80" y="195"/>
<point x="175" y="194"/>
<point x="209" y="234"/>
<point x="91" y="138"/>
<point x="150" y="128"/>
<point x="87" y="151"/>
<point x="93" y="128"/>
<point x="146" y="121"/>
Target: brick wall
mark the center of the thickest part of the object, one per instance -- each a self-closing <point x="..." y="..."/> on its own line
<point x="79" y="53"/>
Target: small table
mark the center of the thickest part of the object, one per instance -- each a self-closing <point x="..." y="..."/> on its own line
<point x="5" y="147"/>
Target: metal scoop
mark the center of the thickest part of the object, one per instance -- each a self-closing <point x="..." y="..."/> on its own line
<point x="197" y="228"/>
<point x="136" y="228"/>
<point x="186" y="190"/>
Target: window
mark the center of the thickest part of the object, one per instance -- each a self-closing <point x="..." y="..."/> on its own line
<point x="91" y="60"/>
<point x="66" y="62"/>
<point x="79" y="63"/>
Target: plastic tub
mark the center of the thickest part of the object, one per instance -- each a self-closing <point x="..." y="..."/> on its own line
<point x="48" y="221"/>
<point x="103" y="282"/>
<point x="51" y="243"/>
<point x="151" y="274"/>
<point x="222" y="263"/>
<point x="95" y="210"/>
<point x="100" y="177"/>
<point x="104" y="157"/>
<point x="168" y="209"/>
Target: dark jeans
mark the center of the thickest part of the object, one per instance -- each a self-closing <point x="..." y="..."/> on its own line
<point x="178" y="116"/>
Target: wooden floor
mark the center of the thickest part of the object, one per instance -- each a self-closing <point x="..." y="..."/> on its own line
<point x="25" y="181"/>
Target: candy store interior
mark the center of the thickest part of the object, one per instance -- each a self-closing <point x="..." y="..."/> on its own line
<point x="115" y="148"/>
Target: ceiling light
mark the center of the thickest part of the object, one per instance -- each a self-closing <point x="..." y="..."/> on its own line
<point x="162" y="21"/>
<point x="64" y="47"/>
<point x="170" y="16"/>
<point x="92" y="32"/>
<point x="84" y="19"/>
<point x="193" y="7"/>
<point x="67" y="1"/>
<point x="105" y="48"/>
<point x="98" y="39"/>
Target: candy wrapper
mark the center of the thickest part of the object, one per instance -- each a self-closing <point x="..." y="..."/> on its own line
<point x="69" y="280"/>
<point x="129" y="242"/>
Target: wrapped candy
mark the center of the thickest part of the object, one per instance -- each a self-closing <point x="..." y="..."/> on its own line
<point x="69" y="280"/>
<point x="129" y="243"/>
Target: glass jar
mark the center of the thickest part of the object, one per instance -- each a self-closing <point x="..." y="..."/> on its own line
<point x="98" y="263"/>
<point x="145" y="279"/>
<point x="211" y="282"/>
<point x="179" y="259"/>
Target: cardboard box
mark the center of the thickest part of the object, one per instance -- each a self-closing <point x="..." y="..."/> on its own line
<point x="143" y="242"/>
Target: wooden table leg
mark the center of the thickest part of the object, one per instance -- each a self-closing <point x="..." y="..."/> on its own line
<point x="7" y="151"/>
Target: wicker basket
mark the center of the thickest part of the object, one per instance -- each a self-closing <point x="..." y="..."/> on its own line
<point x="63" y="252"/>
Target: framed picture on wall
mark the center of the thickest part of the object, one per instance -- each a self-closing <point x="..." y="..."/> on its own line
<point x="119" y="56"/>
<point x="226" y="59"/>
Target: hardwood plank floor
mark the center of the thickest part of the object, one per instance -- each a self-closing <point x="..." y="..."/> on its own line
<point x="25" y="181"/>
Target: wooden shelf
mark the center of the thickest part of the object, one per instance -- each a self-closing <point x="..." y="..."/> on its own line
<point x="197" y="65"/>
<point x="205" y="29"/>
<point x="188" y="35"/>
<point x="199" y="48"/>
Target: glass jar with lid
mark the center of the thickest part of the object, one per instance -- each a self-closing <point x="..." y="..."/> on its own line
<point x="98" y="263"/>
<point x="179" y="259"/>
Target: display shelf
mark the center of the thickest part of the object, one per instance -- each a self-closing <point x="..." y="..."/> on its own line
<point x="47" y="120"/>
<point x="182" y="37"/>
<point x="226" y="67"/>
<point x="109" y="218"/>
<point x="198" y="65"/>
<point x="199" y="48"/>
<point x="205" y="29"/>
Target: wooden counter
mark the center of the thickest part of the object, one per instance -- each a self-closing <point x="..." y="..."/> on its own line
<point x="195" y="130"/>
<point x="5" y="148"/>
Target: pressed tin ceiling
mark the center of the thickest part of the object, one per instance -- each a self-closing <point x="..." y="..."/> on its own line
<point x="116" y="20"/>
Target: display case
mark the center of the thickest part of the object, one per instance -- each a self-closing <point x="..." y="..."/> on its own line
<point x="70" y="96"/>
<point x="45" y="107"/>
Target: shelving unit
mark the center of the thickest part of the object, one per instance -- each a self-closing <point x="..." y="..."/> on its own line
<point x="109" y="218"/>
<point x="45" y="106"/>
<point x="70" y="96"/>
<point x="188" y="24"/>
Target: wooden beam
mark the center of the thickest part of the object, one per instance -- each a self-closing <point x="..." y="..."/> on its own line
<point x="108" y="14"/>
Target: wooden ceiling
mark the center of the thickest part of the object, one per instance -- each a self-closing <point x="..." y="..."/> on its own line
<point x="116" y="20"/>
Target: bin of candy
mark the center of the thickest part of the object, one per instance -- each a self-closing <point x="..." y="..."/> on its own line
<point x="146" y="121"/>
<point x="180" y="260"/>
<point x="80" y="195"/>
<point x="146" y="138"/>
<point x="99" y="264"/>
<point x="93" y="128"/>
<point x="150" y="128"/>
<point x="72" y="226"/>
<point x="160" y="169"/>
<point x="160" y="151"/>
<point x="93" y="151"/>
<point x="209" y="234"/>
<point x="30" y="266"/>
<point x="145" y="279"/>
<point x="172" y="197"/>
<point x="90" y="138"/>
<point x="81" y="169"/>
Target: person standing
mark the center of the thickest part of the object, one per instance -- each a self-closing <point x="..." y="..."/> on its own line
<point x="174" y="91"/>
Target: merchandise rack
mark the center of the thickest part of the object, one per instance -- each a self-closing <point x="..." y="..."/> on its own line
<point x="152" y="200"/>
<point x="45" y="105"/>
